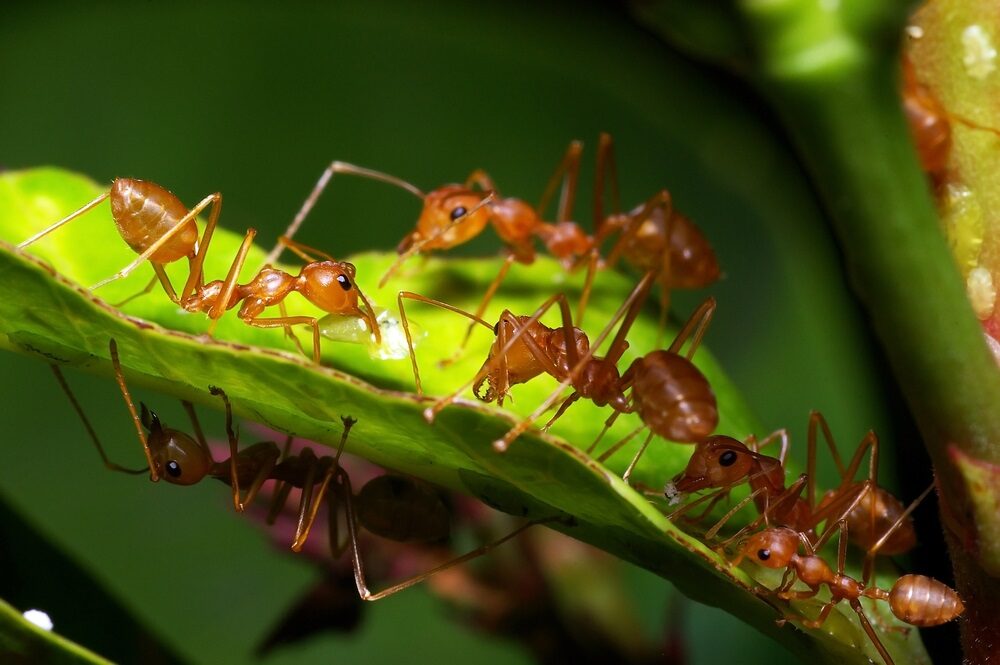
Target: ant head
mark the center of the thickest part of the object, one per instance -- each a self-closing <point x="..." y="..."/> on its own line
<point x="403" y="509"/>
<point x="176" y="456"/>
<point x="771" y="548"/>
<point x="718" y="461"/>
<point x="521" y="362"/>
<point x="330" y="286"/>
<point x="450" y="218"/>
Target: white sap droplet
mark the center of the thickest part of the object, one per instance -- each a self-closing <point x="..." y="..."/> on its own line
<point x="982" y="292"/>
<point x="354" y="330"/>
<point x="914" y="32"/>
<point x="980" y="54"/>
<point x="672" y="493"/>
<point x="39" y="618"/>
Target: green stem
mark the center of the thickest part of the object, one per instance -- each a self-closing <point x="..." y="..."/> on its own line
<point x="835" y="82"/>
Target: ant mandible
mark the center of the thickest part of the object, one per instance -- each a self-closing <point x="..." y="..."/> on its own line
<point x="915" y="599"/>
<point x="390" y="506"/>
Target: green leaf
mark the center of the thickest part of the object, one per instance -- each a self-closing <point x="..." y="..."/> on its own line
<point x="50" y="316"/>
<point x="23" y="642"/>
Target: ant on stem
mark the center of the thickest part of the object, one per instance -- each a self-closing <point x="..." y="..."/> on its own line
<point x="390" y="506"/>
<point x="723" y="462"/>
<point x="915" y="599"/>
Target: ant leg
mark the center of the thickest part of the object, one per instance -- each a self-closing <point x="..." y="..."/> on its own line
<point x="872" y="635"/>
<point x="567" y="173"/>
<point x="160" y="242"/>
<point x="694" y="328"/>
<point x="868" y="567"/>
<point x="710" y="534"/>
<point x="224" y="300"/>
<point x="777" y="435"/>
<point x="418" y="246"/>
<point x="282" y="321"/>
<point x="404" y="321"/>
<point x="606" y="171"/>
<point x="620" y="444"/>
<point x="566" y="403"/>
<point x="65" y="220"/>
<point x="233" y="436"/>
<point x="635" y="460"/>
<point x="196" y="276"/>
<point x="481" y="179"/>
<point x="483" y="304"/>
<point x="359" y="573"/>
<point x="289" y="333"/>
<point x="154" y="475"/>
<point x="90" y="428"/>
<point x="324" y="179"/>
<point x="310" y="503"/>
<point x="281" y="488"/>
<point x="607" y="425"/>
<point x="303" y="251"/>
<point x="146" y="290"/>
<point x="593" y="259"/>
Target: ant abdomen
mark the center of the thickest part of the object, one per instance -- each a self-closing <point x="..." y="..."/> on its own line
<point x="923" y="601"/>
<point x="866" y="532"/>
<point x="144" y="212"/>
<point x="672" y="396"/>
<point x="403" y="509"/>
<point x="693" y="264"/>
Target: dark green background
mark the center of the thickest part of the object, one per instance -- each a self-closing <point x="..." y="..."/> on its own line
<point x="253" y="100"/>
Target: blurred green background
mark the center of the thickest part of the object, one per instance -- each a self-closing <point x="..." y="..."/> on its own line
<point x="254" y="100"/>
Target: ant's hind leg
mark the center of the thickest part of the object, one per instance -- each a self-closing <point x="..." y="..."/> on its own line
<point x="65" y="220"/>
<point x="90" y="428"/>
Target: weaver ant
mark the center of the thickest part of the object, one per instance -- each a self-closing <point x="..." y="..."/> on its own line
<point x="723" y="462"/>
<point x="390" y="506"/>
<point x="157" y="225"/>
<point x="653" y="236"/>
<point x="454" y="214"/>
<point x="915" y="599"/>
<point x="324" y="281"/>
<point x="669" y="393"/>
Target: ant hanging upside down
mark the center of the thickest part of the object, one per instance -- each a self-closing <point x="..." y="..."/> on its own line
<point x="391" y="506"/>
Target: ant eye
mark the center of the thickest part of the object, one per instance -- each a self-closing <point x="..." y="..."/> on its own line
<point x="727" y="458"/>
<point x="457" y="212"/>
<point x="344" y="282"/>
<point x="496" y="328"/>
<point x="764" y="555"/>
<point x="174" y="469"/>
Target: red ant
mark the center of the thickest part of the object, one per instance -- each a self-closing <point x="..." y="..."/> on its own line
<point x="328" y="283"/>
<point x="157" y="225"/>
<point x="390" y="506"/>
<point x="454" y="214"/>
<point x="915" y="599"/>
<point x="669" y="393"/>
<point x="723" y="462"/>
<point x="652" y="236"/>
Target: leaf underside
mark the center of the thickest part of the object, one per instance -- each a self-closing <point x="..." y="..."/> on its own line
<point x="49" y="315"/>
